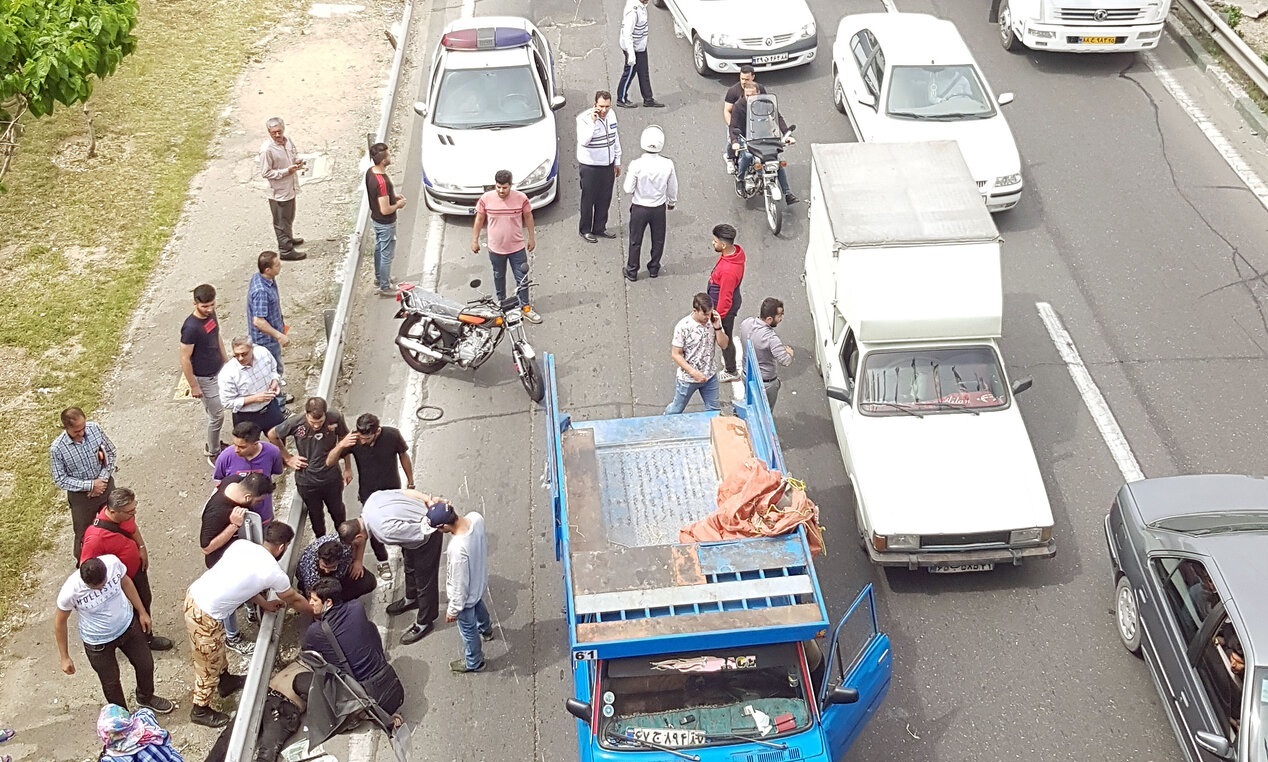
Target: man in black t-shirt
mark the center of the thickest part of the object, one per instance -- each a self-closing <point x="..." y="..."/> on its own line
<point x="383" y="205"/>
<point x="316" y="432"/>
<point x="733" y="94"/>
<point x="223" y="515"/>
<point x="202" y="356"/>
<point x="377" y="450"/>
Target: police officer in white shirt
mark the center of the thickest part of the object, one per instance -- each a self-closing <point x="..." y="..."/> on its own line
<point x="599" y="157"/>
<point x="652" y="185"/>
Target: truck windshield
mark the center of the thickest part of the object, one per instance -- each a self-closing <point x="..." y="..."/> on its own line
<point x="703" y="698"/>
<point x="933" y="380"/>
<point x="940" y="93"/>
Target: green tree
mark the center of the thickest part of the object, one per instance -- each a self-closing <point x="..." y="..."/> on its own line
<point x="51" y="51"/>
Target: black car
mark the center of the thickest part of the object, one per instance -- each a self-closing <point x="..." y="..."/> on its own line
<point x="1190" y="558"/>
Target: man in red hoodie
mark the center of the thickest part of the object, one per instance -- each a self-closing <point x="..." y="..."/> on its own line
<point x="724" y="290"/>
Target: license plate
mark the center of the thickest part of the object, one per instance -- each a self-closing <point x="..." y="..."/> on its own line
<point x="772" y="58"/>
<point x="672" y="737"/>
<point x="1098" y="40"/>
<point x="958" y="568"/>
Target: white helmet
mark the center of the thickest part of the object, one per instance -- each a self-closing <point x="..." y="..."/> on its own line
<point x="653" y="139"/>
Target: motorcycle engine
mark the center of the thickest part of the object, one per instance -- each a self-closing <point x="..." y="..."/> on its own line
<point x="474" y="346"/>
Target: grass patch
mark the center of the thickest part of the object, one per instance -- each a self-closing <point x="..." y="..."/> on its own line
<point x="80" y="237"/>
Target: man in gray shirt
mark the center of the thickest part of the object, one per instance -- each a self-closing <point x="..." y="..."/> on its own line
<point x="280" y="165"/>
<point x="399" y="517"/>
<point x="769" y="351"/>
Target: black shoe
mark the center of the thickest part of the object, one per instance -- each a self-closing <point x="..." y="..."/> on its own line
<point x="590" y="237"/>
<point x="401" y="606"/>
<point x="486" y="636"/>
<point x="297" y="242"/>
<point x="790" y="199"/>
<point x="416" y="632"/>
<point x="160" y="643"/>
<point x="230" y="683"/>
<point x="159" y="704"/>
<point x="208" y="717"/>
<point x="739" y="187"/>
<point x="606" y="234"/>
<point x="627" y="104"/>
<point x="653" y="273"/>
<point x="292" y="256"/>
<point x="653" y="103"/>
<point x="630" y="275"/>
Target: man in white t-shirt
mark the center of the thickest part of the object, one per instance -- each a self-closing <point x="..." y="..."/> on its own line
<point x="693" y="350"/>
<point x="111" y="618"/>
<point x="246" y="572"/>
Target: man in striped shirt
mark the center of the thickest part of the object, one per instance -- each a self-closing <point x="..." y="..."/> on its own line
<point x="249" y="386"/>
<point x="82" y="460"/>
<point x="634" y="46"/>
<point x="599" y="162"/>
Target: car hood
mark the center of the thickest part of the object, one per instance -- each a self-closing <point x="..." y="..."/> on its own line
<point x="948" y="473"/>
<point x="752" y="18"/>
<point x="470" y="158"/>
<point x="987" y="144"/>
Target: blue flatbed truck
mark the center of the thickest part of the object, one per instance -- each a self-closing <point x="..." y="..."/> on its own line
<point x="710" y="652"/>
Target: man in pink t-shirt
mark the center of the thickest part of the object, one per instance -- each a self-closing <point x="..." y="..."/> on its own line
<point x="511" y="236"/>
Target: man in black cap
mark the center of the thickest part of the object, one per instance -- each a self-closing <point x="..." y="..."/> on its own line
<point x="466" y="581"/>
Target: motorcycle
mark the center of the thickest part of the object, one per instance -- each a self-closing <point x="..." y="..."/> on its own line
<point x="439" y="331"/>
<point x="763" y="175"/>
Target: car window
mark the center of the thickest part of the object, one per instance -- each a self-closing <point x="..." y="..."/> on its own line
<point x="1259" y="718"/>
<point x="485" y="98"/>
<point x="934" y="380"/>
<point x="1189" y="593"/>
<point x="878" y="66"/>
<point x="861" y="48"/>
<point x="850" y="357"/>
<point x="1221" y="665"/>
<point x="939" y="93"/>
<point x="540" y="63"/>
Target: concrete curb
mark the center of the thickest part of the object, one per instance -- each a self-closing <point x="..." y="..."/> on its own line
<point x="1192" y="46"/>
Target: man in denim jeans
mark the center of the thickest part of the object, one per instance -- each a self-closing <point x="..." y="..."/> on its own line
<point x="466" y="581"/>
<point x="384" y="202"/>
<point x="696" y="338"/>
<point x="512" y="235"/>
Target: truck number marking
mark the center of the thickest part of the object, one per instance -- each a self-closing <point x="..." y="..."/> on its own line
<point x="588" y="655"/>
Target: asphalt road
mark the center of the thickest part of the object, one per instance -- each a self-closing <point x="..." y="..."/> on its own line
<point x="1132" y="226"/>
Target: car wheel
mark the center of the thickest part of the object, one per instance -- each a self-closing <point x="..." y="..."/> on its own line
<point x="1127" y="615"/>
<point x="838" y="93"/>
<point x="697" y="56"/>
<point x="1007" y="38"/>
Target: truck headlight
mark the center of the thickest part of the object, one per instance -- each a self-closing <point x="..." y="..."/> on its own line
<point x="882" y="542"/>
<point x="1006" y="180"/>
<point x="537" y="175"/>
<point x="807" y="31"/>
<point x="721" y="41"/>
<point x="1029" y="536"/>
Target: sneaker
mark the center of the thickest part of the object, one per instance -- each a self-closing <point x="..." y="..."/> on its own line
<point x="253" y="615"/>
<point x="531" y="316"/>
<point x="653" y="103"/>
<point x="739" y="187"/>
<point x="240" y="645"/>
<point x="389" y="292"/>
<point x="230" y="684"/>
<point x="727" y="377"/>
<point x="208" y="717"/>
<point x="385" y="571"/>
<point x="486" y="636"/>
<point x="627" y="104"/>
<point x="159" y="704"/>
<point x="730" y="165"/>
<point x="461" y="666"/>
<point x="790" y="199"/>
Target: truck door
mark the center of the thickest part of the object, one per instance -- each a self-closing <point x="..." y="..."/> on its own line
<point x="858" y="658"/>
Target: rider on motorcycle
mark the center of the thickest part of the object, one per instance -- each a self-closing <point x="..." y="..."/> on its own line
<point x="739" y="130"/>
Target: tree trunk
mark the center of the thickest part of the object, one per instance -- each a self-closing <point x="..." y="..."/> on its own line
<point x="92" y="135"/>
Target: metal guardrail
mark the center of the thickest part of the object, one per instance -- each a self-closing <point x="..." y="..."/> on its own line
<point x="1229" y="41"/>
<point x="246" y="726"/>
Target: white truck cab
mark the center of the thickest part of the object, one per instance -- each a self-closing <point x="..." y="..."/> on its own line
<point x="1081" y="26"/>
<point x="904" y="282"/>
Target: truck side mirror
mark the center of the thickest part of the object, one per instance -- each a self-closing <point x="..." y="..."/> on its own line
<point x="839" y="394"/>
<point x="420" y="108"/>
<point x="840" y="695"/>
<point x="1216" y="744"/>
<point x="582" y="711"/>
<point x="1022" y="384"/>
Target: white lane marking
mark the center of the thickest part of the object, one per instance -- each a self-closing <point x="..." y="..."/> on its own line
<point x="1209" y="130"/>
<point x="889" y="6"/>
<point x="362" y="745"/>
<point x="413" y="395"/>
<point x="1104" y="418"/>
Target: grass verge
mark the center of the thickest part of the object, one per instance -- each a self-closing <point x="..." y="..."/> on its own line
<point x="79" y="238"/>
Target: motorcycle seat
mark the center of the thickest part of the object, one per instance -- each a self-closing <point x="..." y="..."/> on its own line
<point x="764" y="151"/>
<point x="437" y="303"/>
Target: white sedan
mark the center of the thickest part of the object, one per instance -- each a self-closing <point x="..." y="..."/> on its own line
<point x="492" y="93"/>
<point x="903" y="77"/>
<point x="727" y="34"/>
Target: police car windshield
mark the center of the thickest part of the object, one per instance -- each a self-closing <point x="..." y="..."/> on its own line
<point x="703" y="698"/>
<point x="474" y="99"/>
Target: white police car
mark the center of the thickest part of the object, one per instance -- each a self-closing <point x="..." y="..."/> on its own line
<point x="492" y="93"/>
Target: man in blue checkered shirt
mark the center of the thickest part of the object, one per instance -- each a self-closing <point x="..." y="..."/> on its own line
<point x="265" y="323"/>
<point x="82" y="460"/>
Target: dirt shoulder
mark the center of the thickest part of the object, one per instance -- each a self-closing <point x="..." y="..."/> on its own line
<point x="323" y="72"/>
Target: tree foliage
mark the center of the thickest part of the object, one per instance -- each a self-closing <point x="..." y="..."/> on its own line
<point x="51" y="51"/>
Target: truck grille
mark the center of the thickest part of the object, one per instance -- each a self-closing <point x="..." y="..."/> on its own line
<point x="760" y="42"/>
<point x="1105" y="15"/>
<point x="959" y="540"/>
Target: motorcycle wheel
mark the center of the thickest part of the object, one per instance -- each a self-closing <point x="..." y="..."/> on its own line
<point x="412" y="329"/>
<point x="774" y="210"/>
<point x="531" y="377"/>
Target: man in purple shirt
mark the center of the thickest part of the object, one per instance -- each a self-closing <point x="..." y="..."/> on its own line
<point x="250" y="455"/>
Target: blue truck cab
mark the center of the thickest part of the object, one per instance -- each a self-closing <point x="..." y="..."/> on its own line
<point x="710" y="652"/>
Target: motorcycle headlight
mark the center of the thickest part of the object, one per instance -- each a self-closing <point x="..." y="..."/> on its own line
<point x="722" y="41"/>
<point x="807" y="31"/>
<point x="537" y="175"/>
<point x="1029" y="536"/>
<point x="896" y="541"/>
<point x="1006" y="180"/>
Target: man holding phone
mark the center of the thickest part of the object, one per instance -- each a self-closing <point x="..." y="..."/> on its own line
<point x="599" y="160"/>
<point x="382" y="455"/>
<point x="696" y="338"/>
<point x="280" y="165"/>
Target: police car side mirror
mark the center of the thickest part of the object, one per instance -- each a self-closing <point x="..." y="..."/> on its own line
<point x="579" y="709"/>
<point x="420" y="108"/>
<point x="1004" y="99"/>
<point x="557" y="102"/>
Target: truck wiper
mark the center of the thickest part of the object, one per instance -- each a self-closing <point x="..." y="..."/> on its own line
<point x="895" y="406"/>
<point x="750" y="739"/>
<point x="649" y="745"/>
